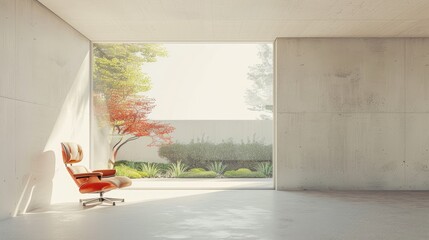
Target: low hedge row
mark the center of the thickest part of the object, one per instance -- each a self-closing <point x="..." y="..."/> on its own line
<point x="122" y="170"/>
<point x="230" y="165"/>
<point x="125" y="168"/>
<point x="236" y="164"/>
<point x="163" y="167"/>
<point x="201" y="174"/>
<point x="195" y="154"/>
<point x="243" y="173"/>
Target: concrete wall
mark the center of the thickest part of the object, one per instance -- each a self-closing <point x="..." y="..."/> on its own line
<point x="212" y="130"/>
<point x="352" y="113"/>
<point x="44" y="99"/>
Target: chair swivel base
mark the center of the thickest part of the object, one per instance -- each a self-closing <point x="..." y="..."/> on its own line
<point x="101" y="200"/>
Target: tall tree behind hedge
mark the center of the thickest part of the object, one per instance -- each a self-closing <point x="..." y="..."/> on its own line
<point x="117" y="67"/>
<point x="119" y="84"/>
<point x="259" y="96"/>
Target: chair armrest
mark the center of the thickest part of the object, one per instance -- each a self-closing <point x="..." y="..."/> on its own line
<point x="88" y="175"/>
<point x="106" y="172"/>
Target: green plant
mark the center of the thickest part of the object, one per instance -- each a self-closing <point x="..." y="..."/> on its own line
<point x="243" y="173"/>
<point x="151" y="169"/>
<point x="163" y="167"/>
<point x="197" y="170"/>
<point x="265" y="168"/>
<point x="201" y="174"/>
<point x="122" y="170"/>
<point x="125" y="163"/>
<point x="143" y="174"/>
<point x="217" y="167"/>
<point x="176" y="169"/>
<point x="199" y="153"/>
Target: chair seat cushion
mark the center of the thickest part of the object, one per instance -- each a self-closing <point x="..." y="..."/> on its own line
<point x="118" y="181"/>
<point x="94" y="187"/>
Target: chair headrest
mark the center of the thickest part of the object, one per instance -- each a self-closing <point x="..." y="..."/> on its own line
<point x="72" y="152"/>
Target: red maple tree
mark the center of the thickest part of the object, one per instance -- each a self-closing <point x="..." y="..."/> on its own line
<point x="128" y="117"/>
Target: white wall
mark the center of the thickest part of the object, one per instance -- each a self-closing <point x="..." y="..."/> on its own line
<point x="44" y="99"/>
<point x="212" y="130"/>
<point x="352" y="113"/>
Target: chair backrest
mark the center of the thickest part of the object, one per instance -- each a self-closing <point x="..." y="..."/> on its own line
<point x="72" y="153"/>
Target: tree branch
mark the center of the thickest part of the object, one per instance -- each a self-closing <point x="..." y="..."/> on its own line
<point x="120" y="140"/>
<point x="123" y="143"/>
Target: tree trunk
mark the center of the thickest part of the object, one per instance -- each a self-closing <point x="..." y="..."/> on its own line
<point x="116" y="148"/>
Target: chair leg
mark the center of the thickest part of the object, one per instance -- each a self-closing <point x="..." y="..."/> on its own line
<point x="95" y="200"/>
<point x="116" y="199"/>
<point x="87" y="199"/>
<point x="100" y="200"/>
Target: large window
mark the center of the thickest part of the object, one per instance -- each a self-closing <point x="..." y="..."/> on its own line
<point x="186" y="110"/>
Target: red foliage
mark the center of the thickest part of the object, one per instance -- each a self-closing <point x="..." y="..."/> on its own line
<point x="129" y="115"/>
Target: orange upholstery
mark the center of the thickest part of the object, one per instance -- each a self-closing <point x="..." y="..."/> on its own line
<point x="106" y="172"/>
<point x="96" y="187"/>
<point x="89" y="181"/>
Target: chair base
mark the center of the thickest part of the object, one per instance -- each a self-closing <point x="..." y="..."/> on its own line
<point x="101" y="200"/>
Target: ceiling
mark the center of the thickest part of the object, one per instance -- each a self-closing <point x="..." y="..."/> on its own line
<point x="242" y="20"/>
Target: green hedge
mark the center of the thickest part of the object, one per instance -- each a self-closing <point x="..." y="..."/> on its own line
<point x="197" y="170"/>
<point x="201" y="174"/>
<point x="163" y="167"/>
<point x="197" y="154"/>
<point x="232" y="165"/>
<point x="123" y="170"/>
<point x="243" y="173"/>
<point x="132" y="170"/>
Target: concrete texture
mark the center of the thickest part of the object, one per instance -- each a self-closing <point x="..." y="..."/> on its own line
<point x="242" y="20"/>
<point x="242" y="214"/>
<point x="44" y="99"/>
<point x="352" y="113"/>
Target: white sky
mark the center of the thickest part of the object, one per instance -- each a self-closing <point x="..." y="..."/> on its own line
<point x="202" y="81"/>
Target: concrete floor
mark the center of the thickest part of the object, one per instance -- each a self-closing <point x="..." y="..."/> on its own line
<point x="232" y="214"/>
<point x="202" y="183"/>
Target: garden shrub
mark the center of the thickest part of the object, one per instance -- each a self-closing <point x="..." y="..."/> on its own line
<point x="137" y="165"/>
<point x="243" y="173"/>
<point x="144" y="174"/>
<point x="200" y="153"/>
<point x="200" y="174"/>
<point x="162" y="167"/>
<point x="123" y="170"/>
<point x="266" y="169"/>
<point x="244" y="169"/>
<point x="236" y="164"/>
<point x="130" y="164"/>
<point x="197" y="170"/>
<point x="151" y="169"/>
<point x="217" y="167"/>
<point x="176" y="169"/>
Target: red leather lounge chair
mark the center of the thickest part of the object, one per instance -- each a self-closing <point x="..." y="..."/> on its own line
<point x="98" y="181"/>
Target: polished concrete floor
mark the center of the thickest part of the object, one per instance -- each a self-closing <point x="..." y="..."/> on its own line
<point x="202" y="183"/>
<point x="232" y="214"/>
